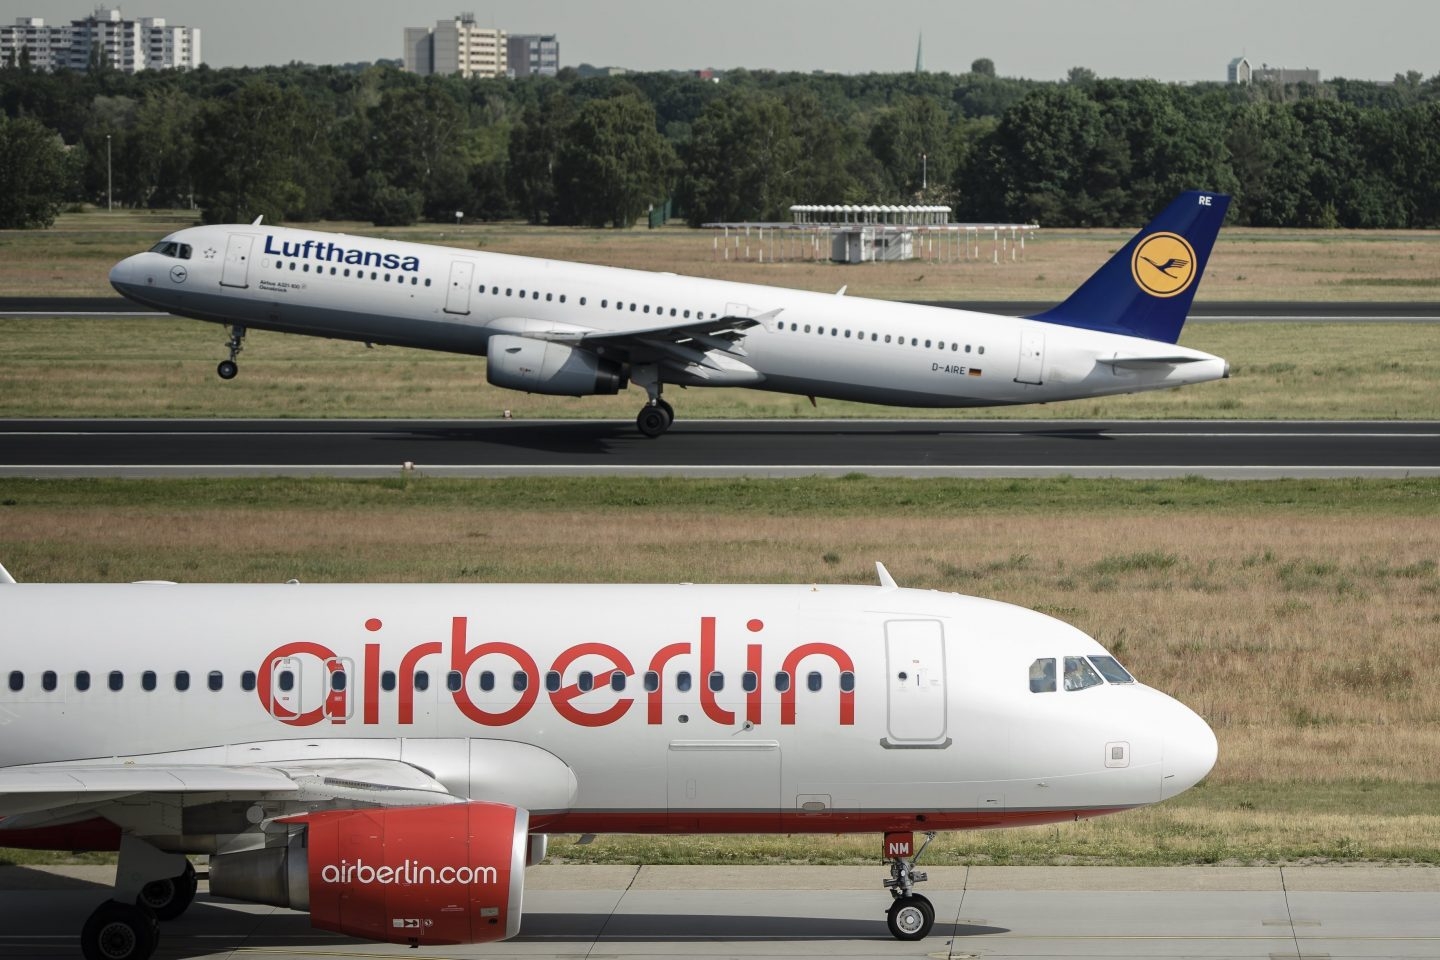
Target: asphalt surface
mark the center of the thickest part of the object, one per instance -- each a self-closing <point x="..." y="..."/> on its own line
<point x="1296" y="913"/>
<point x="1014" y="448"/>
<point x="1244" y="311"/>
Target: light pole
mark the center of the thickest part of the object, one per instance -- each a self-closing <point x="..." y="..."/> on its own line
<point x="109" y="181"/>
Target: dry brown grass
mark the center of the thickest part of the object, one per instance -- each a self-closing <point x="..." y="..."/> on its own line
<point x="75" y="256"/>
<point x="1307" y="640"/>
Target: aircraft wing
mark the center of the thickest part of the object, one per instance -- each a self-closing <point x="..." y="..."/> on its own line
<point x="682" y="343"/>
<point x="36" y="793"/>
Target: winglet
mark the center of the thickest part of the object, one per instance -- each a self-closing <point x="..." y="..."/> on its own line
<point x="256" y="223"/>
<point x="5" y="575"/>
<point x="887" y="582"/>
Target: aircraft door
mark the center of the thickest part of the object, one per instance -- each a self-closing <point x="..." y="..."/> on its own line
<point x="1032" y="356"/>
<point x="236" y="271"/>
<point x="457" y="297"/>
<point x="285" y="688"/>
<point x="338" y="673"/>
<point x="916" y="701"/>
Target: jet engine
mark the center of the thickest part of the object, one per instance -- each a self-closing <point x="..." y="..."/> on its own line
<point x="540" y="366"/>
<point x="450" y="874"/>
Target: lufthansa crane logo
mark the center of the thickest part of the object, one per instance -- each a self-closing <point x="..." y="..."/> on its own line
<point x="1163" y="264"/>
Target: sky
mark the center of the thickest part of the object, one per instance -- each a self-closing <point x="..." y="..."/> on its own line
<point x="1168" y="40"/>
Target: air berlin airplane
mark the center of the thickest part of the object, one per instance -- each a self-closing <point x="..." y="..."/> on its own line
<point x="570" y="329"/>
<point x="391" y="757"/>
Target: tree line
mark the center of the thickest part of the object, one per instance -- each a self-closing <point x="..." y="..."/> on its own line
<point x="374" y="143"/>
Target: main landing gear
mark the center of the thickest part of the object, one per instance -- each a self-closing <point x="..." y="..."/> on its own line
<point x="655" y="418"/>
<point x="911" y="916"/>
<point x="228" y="368"/>
<point x="657" y="415"/>
<point x="126" y="929"/>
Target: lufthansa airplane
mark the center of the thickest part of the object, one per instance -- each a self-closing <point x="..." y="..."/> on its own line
<point x="391" y="757"/>
<point x="570" y="329"/>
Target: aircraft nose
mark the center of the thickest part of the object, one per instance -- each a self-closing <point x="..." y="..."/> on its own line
<point x="1190" y="750"/>
<point x="122" y="274"/>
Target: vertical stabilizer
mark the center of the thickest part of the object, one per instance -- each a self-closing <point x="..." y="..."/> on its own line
<point x="1145" y="290"/>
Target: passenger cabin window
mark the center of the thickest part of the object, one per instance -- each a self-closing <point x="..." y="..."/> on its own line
<point x="49" y="680"/>
<point x="1042" y="675"/>
<point x="82" y="680"/>
<point x="652" y="681"/>
<point x="182" y="680"/>
<point x="148" y="680"/>
<point x="1079" y="674"/>
<point x="215" y="680"/>
<point x="116" y="680"/>
<point x="1111" y="670"/>
<point x="617" y="680"/>
<point x="454" y="681"/>
<point x="17" y="681"/>
<point x="682" y="681"/>
<point x="552" y="681"/>
<point x="387" y="680"/>
<point x="487" y="680"/>
<point x="422" y="680"/>
<point x="247" y="681"/>
<point x="586" y="681"/>
<point x="782" y="681"/>
<point x="520" y="681"/>
<point x="813" y="680"/>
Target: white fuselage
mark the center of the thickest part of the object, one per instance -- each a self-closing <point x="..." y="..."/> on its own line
<point x="893" y="709"/>
<point x="454" y="299"/>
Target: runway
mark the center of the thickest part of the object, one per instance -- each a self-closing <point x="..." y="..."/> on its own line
<point x="1241" y="311"/>
<point x="1297" y="913"/>
<point x="711" y="448"/>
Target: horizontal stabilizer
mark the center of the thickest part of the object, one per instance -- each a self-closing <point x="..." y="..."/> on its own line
<point x="1145" y="363"/>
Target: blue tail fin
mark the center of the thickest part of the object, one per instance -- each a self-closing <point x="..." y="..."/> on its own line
<point x="1146" y="289"/>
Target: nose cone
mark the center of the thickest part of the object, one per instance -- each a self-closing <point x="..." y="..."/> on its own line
<point x="122" y="275"/>
<point x="1190" y="750"/>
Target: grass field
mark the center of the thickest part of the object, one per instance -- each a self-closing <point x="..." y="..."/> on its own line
<point x="166" y="368"/>
<point x="74" y="257"/>
<point x="1299" y="617"/>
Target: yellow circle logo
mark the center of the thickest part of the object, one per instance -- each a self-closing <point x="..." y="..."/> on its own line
<point x="1163" y="264"/>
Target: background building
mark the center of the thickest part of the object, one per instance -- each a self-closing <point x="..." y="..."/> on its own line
<point x="534" y="55"/>
<point x="127" y="45"/>
<point x="1240" y="71"/>
<point x="457" y="45"/>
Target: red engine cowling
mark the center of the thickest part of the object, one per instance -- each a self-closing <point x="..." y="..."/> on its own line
<point x="426" y="875"/>
<point x="418" y="875"/>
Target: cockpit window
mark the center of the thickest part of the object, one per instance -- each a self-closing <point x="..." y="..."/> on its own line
<point x="1079" y="674"/>
<point x="1111" y="670"/>
<point x="1042" y="675"/>
<point x="169" y="248"/>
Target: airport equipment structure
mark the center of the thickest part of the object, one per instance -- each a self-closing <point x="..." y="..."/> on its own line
<point x="862" y="233"/>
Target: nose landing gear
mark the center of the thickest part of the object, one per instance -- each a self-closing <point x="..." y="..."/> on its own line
<point x="227" y="369"/>
<point x="911" y="915"/>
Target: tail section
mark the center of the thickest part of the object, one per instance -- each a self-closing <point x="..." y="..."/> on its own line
<point x="1146" y="289"/>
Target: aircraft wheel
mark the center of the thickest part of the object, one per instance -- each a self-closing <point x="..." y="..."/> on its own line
<point x="119" y="931"/>
<point x="652" y="421"/>
<point x="170" y="897"/>
<point x="910" y="918"/>
<point x="669" y="410"/>
<point x="227" y="369"/>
